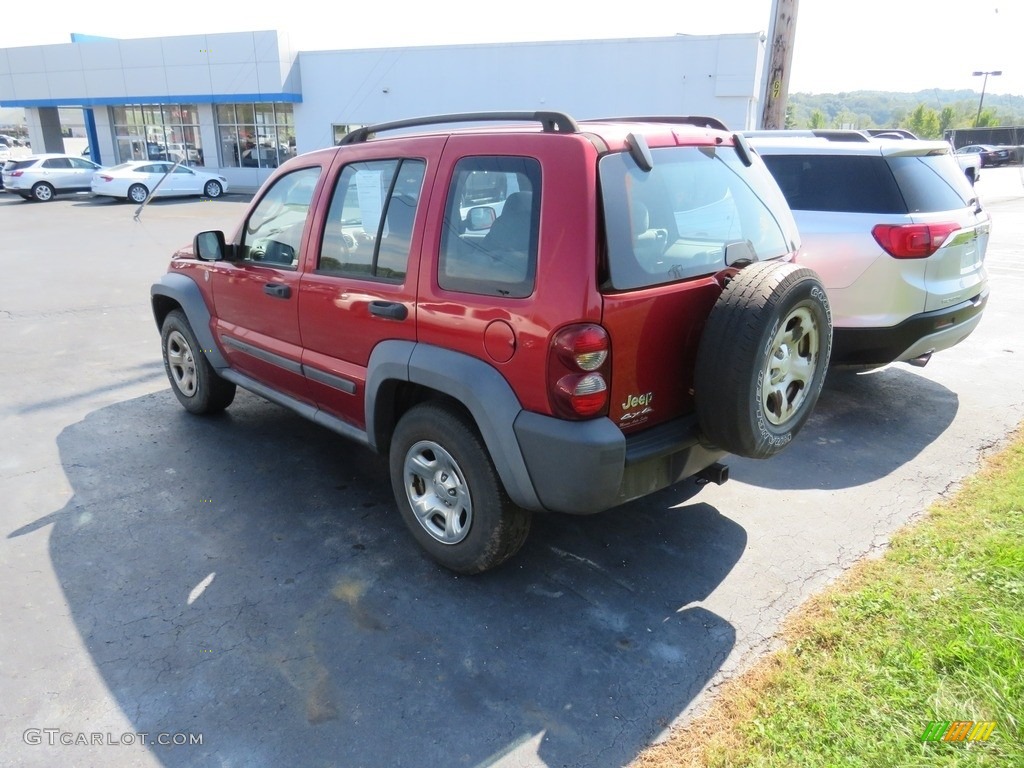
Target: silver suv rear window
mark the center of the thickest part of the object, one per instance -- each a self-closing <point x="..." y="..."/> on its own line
<point x="870" y="183"/>
<point x="675" y="221"/>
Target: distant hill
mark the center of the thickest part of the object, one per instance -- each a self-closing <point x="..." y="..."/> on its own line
<point x="888" y="109"/>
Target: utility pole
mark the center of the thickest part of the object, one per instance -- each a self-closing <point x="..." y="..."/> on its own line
<point x="781" y="38"/>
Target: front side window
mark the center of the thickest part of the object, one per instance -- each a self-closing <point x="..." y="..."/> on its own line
<point x="491" y="227"/>
<point x="273" y="231"/>
<point x="369" y="227"/>
<point x="678" y="220"/>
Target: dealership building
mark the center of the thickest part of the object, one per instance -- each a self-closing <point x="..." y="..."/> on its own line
<point x="244" y="102"/>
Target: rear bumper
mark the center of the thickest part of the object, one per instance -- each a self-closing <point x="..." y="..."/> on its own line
<point x="585" y="467"/>
<point x="915" y="336"/>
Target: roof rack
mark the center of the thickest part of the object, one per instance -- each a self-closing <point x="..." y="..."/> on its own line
<point x="700" y="121"/>
<point x="551" y="122"/>
<point x="831" y="134"/>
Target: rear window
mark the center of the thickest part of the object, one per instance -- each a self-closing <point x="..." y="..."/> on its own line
<point x="18" y="165"/>
<point x="871" y="183"/>
<point x="841" y="183"/>
<point x="677" y="220"/>
<point x="931" y="183"/>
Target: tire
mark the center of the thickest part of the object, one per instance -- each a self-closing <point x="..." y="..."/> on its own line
<point x="213" y="189"/>
<point x="762" y="359"/>
<point x="196" y="385"/>
<point x="42" y="192"/>
<point x="137" y="193"/>
<point x="449" y="493"/>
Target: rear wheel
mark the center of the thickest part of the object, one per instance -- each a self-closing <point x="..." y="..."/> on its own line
<point x="42" y="192"/>
<point x="137" y="193"/>
<point x="763" y="358"/>
<point x="449" y="493"/>
<point x="196" y="385"/>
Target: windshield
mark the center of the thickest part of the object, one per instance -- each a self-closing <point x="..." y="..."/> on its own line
<point x="676" y="221"/>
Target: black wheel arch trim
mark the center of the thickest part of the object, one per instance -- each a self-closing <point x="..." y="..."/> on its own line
<point x="184" y="292"/>
<point x="472" y="382"/>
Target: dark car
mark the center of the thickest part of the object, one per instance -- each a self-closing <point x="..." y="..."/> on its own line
<point x="560" y="316"/>
<point x="990" y="156"/>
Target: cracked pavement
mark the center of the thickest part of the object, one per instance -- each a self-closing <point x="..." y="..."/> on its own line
<point x="246" y="578"/>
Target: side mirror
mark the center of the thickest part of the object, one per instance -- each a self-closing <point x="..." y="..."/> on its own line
<point x="480" y="218"/>
<point x="210" y="246"/>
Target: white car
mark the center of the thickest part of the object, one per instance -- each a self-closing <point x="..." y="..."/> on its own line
<point x="896" y="233"/>
<point x="137" y="180"/>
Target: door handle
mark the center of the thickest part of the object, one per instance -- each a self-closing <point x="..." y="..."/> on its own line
<point x="390" y="309"/>
<point x="277" y="290"/>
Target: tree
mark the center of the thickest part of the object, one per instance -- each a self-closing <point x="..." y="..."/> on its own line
<point x="790" y="120"/>
<point x="988" y="119"/>
<point x="923" y="122"/>
<point x="947" y="119"/>
<point x="818" y="119"/>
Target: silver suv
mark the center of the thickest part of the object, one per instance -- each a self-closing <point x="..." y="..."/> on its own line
<point x="42" y="177"/>
<point x="896" y="233"/>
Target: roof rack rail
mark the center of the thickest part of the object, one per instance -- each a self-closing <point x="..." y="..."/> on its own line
<point x="552" y="122"/>
<point x="700" y="121"/>
<point x="831" y="134"/>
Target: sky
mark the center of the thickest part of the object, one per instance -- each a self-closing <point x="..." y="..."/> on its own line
<point x="893" y="45"/>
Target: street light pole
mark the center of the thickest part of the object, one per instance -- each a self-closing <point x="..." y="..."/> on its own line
<point x="994" y="73"/>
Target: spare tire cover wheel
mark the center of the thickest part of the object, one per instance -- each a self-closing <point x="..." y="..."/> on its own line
<point x="762" y="358"/>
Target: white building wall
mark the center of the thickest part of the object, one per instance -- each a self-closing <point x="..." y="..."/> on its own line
<point x="149" y="69"/>
<point x="718" y="76"/>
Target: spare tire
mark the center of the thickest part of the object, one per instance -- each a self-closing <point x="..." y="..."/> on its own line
<point x="762" y="358"/>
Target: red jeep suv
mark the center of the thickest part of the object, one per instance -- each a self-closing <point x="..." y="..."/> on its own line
<point x="525" y="313"/>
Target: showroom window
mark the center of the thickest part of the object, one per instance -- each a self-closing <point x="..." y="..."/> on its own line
<point x="158" y="132"/>
<point x="255" y="135"/>
<point x="340" y="131"/>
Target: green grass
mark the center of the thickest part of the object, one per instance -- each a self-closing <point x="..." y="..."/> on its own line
<point x="934" y="630"/>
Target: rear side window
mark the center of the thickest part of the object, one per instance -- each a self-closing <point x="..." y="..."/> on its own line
<point x="491" y="227"/>
<point x="369" y="225"/>
<point x="840" y="183"/>
<point x="677" y="220"/>
<point x="931" y="183"/>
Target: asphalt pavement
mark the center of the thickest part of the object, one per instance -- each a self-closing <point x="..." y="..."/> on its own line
<point x="240" y="591"/>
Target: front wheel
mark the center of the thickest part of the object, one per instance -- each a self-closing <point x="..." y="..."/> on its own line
<point x="449" y="493"/>
<point x="762" y="358"/>
<point x="213" y="189"/>
<point x="137" y="193"/>
<point x="196" y="385"/>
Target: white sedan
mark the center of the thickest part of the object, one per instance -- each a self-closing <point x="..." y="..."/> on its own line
<point x="137" y="180"/>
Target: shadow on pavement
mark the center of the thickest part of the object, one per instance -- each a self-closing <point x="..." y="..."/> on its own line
<point x="863" y="427"/>
<point x="247" y="577"/>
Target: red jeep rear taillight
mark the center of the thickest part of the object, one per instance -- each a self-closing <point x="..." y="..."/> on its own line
<point x="578" y="364"/>
<point x="913" y="241"/>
